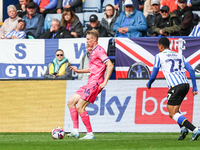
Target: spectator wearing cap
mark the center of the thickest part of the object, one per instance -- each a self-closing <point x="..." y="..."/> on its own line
<point x="34" y="21"/>
<point x="119" y="5"/>
<point x="167" y="24"/>
<point x="11" y="22"/>
<point x="152" y="17"/>
<point x="148" y="7"/>
<point x="130" y="23"/>
<point x="46" y="5"/>
<point x="109" y="18"/>
<point x="185" y="16"/>
<point x="21" y="7"/>
<point x="95" y="24"/>
<point x="172" y="4"/>
<point x="18" y="33"/>
<point x="74" y="5"/>
<point x="56" y="31"/>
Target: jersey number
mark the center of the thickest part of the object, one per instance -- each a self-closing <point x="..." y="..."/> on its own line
<point x="174" y="61"/>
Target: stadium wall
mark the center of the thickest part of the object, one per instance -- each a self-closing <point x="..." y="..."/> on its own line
<point x="123" y="106"/>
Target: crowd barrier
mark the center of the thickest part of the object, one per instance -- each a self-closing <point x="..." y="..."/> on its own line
<point x="123" y="106"/>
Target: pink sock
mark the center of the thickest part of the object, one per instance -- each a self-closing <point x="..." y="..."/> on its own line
<point x="86" y="120"/>
<point x="74" y="116"/>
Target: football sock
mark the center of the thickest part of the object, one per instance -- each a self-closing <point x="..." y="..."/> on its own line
<point x="74" y="116"/>
<point x="182" y="120"/>
<point x="86" y="120"/>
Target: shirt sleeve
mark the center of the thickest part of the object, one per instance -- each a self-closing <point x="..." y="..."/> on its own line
<point x="101" y="54"/>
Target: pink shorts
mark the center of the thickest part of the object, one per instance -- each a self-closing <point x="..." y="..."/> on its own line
<point x="89" y="92"/>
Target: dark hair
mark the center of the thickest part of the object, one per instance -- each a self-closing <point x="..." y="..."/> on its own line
<point x="73" y="17"/>
<point x="112" y="8"/>
<point x="60" y="50"/>
<point x="164" y="41"/>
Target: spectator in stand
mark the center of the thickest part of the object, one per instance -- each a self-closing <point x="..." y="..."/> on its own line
<point x="34" y="21"/>
<point x="141" y="4"/>
<point x="75" y="5"/>
<point x="148" y="7"/>
<point x="21" y="7"/>
<point x="18" y="33"/>
<point x="110" y="16"/>
<point x="194" y="5"/>
<point x="59" y="68"/>
<point x="130" y="23"/>
<point x="95" y="24"/>
<point x="152" y="17"/>
<point x="167" y="24"/>
<point x="46" y="5"/>
<point x="56" y="31"/>
<point x="186" y="17"/>
<point x="120" y="5"/>
<point x="71" y="22"/>
<point x="11" y="22"/>
<point x="172" y="4"/>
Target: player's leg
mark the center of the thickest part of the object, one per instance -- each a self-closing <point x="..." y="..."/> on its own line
<point x="172" y="111"/>
<point x="183" y="121"/>
<point x="81" y="105"/>
<point x="175" y="98"/>
<point x="74" y="115"/>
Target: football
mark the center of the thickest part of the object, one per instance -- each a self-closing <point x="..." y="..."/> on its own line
<point x="58" y="133"/>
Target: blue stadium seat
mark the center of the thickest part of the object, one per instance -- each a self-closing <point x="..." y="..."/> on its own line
<point x="105" y="2"/>
<point x="91" y="5"/>
<point x="48" y="18"/>
<point x="80" y="16"/>
<point x="88" y="14"/>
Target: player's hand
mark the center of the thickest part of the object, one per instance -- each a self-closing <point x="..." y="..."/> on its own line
<point x="147" y="86"/>
<point x="102" y="85"/>
<point x="194" y="92"/>
<point x="74" y="68"/>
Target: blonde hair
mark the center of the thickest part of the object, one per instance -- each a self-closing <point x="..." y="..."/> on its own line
<point x="94" y="33"/>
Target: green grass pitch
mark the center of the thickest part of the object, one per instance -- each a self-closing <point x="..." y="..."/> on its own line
<point x="102" y="141"/>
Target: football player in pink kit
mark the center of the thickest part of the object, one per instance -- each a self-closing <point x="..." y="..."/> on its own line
<point x="87" y="94"/>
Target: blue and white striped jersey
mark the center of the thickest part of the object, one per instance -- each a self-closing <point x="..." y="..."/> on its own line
<point x="172" y="65"/>
<point x="19" y="34"/>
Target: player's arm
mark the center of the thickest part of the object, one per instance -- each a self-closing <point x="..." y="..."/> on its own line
<point x="110" y="67"/>
<point x="75" y="69"/>
<point x="189" y="68"/>
<point x="154" y="72"/>
<point x="152" y="77"/>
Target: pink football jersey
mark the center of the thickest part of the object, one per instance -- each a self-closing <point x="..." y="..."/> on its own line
<point x="97" y="66"/>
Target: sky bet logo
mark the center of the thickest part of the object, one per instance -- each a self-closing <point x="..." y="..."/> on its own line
<point x="151" y="106"/>
<point x="121" y="106"/>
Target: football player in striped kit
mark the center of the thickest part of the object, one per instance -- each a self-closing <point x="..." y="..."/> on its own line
<point x="172" y="65"/>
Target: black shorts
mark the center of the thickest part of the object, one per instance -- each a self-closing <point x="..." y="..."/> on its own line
<point x="177" y="94"/>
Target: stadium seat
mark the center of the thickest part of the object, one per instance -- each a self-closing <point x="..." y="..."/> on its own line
<point x="91" y="5"/>
<point x="105" y="2"/>
<point x="80" y="16"/>
<point x="88" y="14"/>
<point x="48" y="18"/>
